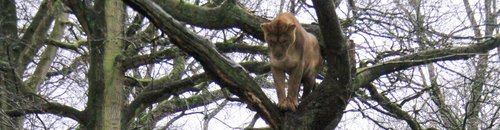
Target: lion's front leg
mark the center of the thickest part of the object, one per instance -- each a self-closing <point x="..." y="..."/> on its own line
<point x="294" y="87"/>
<point x="279" y="81"/>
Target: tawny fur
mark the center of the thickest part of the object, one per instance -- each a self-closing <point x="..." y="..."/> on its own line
<point x="293" y="51"/>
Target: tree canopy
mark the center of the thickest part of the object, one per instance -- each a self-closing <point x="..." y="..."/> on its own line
<point x="149" y="64"/>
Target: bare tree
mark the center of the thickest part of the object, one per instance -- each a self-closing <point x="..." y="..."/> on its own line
<point x="149" y="64"/>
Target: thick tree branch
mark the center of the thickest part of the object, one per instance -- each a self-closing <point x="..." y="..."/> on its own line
<point x="40" y="27"/>
<point x="51" y="108"/>
<point x="225" y="72"/>
<point x="228" y="15"/>
<point x="35" y="23"/>
<point x="392" y="107"/>
<point x="336" y="46"/>
<point x="368" y="74"/>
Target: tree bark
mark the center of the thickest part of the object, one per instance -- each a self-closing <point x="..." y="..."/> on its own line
<point x="8" y="39"/>
<point x="104" y="24"/>
<point x="114" y="96"/>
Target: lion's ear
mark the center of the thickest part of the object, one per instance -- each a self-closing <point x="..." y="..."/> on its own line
<point x="290" y="27"/>
<point x="265" y="27"/>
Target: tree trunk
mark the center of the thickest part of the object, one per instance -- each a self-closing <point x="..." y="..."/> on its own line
<point x="106" y="90"/>
<point x="8" y="38"/>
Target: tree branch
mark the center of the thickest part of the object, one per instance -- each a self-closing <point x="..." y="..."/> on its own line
<point x="52" y="108"/>
<point x="228" y="47"/>
<point x="41" y="26"/>
<point x="36" y="21"/>
<point x="368" y="74"/>
<point x="335" y="42"/>
<point x="228" y="15"/>
<point x="392" y="107"/>
<point x="64" y="45"/>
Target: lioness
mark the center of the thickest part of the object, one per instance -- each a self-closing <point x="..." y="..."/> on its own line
<point x="293" y="51"/>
